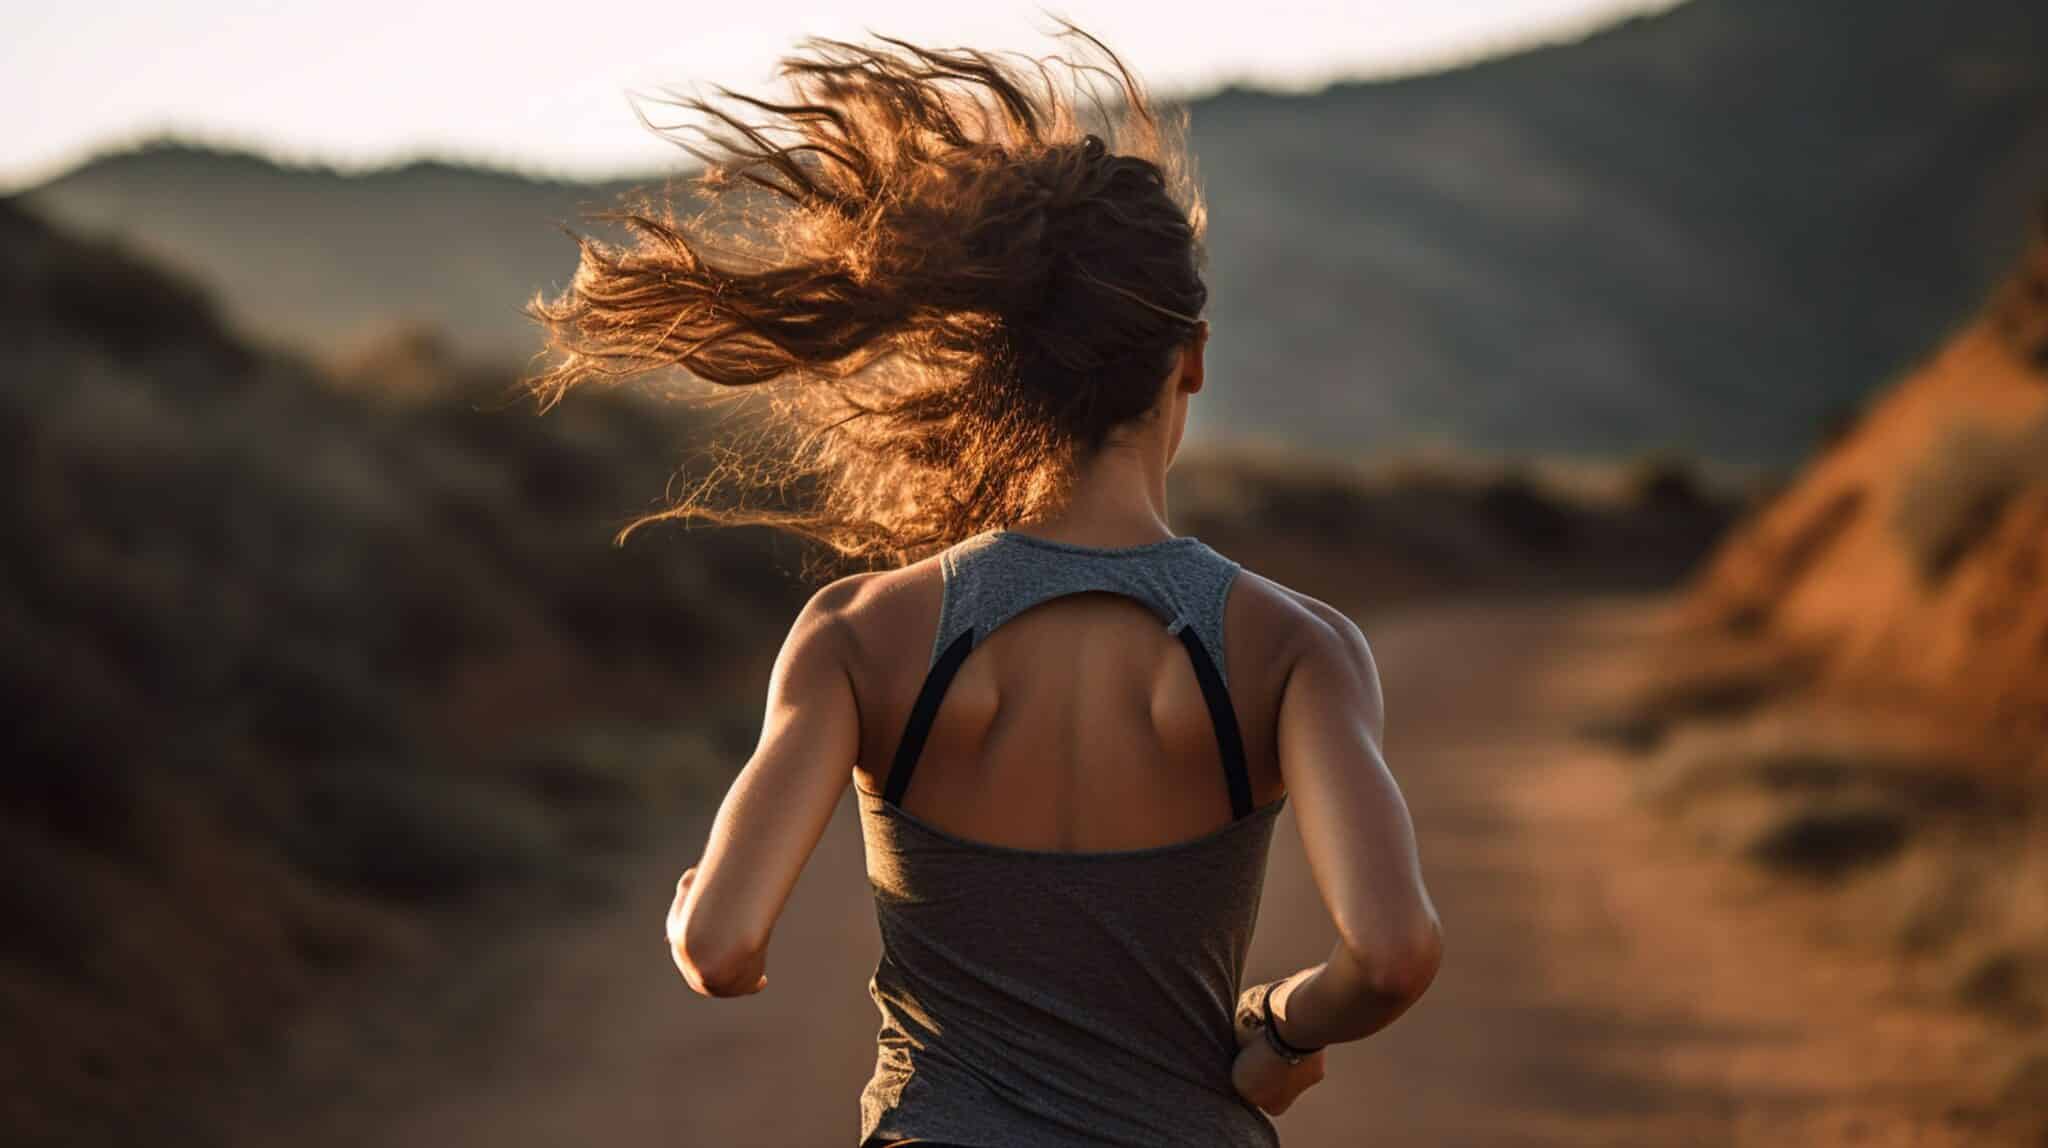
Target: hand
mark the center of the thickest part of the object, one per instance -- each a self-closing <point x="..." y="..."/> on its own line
<point x="1262" y="1075"/>
<point x="751" y="980"/>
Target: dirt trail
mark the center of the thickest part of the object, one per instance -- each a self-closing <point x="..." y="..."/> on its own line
<point x="1601" y="986"/>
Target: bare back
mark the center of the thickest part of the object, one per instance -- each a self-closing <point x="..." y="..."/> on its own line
<point x="1077" y="725"/>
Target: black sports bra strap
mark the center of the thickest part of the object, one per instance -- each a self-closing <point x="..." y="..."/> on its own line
<point x="922" y="712"/>
<point x="1229" y="741"/>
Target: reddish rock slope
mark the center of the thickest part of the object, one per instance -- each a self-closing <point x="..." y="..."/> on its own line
<point x="1911" y="556"/>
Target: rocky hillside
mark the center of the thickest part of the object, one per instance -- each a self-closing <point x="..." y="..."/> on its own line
<point x="1911" y="557"/>
<point x="300" y="664"/>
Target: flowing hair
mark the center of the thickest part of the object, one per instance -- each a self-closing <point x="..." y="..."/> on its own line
<point x="953" y="272"/>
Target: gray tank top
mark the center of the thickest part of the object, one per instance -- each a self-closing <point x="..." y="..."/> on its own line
<point x="1047" y="997"/>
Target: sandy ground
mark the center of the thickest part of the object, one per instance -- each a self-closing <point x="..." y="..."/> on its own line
<point x="1602" y="986"/>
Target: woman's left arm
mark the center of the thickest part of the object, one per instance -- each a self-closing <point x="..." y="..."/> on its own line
<point x="727" y="904"/>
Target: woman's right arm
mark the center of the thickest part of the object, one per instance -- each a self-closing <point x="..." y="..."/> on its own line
<point x="1360" y="843"/>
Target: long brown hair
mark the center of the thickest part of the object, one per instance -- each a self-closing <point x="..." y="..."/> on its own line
<point x="955" y="272"/>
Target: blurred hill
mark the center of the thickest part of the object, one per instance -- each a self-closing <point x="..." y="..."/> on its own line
<point x="1709" y="230"/>
<point x="299" y="661"/>
<point x="1913" y="553"/>
<point x="312" y="258"/>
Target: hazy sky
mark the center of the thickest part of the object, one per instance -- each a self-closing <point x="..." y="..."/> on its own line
<point x="545" y="88"/>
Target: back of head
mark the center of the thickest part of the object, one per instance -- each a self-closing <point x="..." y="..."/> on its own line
<point x="955" y="272"/>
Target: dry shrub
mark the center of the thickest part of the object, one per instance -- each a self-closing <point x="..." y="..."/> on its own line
<point x="2001" y="966"/>
<point x="1703" y="684"/>
<point x="1916" y="846"/>
<point x="1829" y="840"/>
<point x="415" y="835"/>
<point x="1957" y="494"/>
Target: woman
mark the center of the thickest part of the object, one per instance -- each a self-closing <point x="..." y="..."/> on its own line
<point x="981" y="322"/>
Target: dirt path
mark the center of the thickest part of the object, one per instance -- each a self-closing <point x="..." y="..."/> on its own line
<point x="1601" y="987"/>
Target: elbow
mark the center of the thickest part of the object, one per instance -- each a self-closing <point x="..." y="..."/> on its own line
<point x="721" y="962"/>
<point x="1400" y="965"/>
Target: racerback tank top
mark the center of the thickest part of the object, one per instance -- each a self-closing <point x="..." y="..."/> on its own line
<point x="1050" y="997"/>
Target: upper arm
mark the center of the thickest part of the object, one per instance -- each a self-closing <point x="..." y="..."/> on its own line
<point x="1354" y="823"/>
<point x="784" y="797"/>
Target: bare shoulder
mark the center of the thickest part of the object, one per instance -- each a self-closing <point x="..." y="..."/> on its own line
<point x="872" y="610"/>
<point x="1316" y="655"/>
<point x="1299" y="625"/>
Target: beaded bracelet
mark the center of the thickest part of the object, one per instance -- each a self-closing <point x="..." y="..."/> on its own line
<point x="1288" y="1052"/>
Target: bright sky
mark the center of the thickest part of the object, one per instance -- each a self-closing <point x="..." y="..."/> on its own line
<point x="546" y="88"/>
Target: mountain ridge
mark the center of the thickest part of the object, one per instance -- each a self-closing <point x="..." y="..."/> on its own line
<point x="1709" y="229"/>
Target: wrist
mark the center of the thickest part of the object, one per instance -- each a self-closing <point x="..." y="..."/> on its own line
<point x="1291" y="1051"/>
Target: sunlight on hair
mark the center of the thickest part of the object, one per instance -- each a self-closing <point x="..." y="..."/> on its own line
<point x="953" y="273"/>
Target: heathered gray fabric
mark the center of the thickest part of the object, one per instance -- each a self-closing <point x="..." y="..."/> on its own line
<point x="1045" y="998"/>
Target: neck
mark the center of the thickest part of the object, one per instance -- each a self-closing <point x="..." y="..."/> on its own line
<point x="1119" y="497"/>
